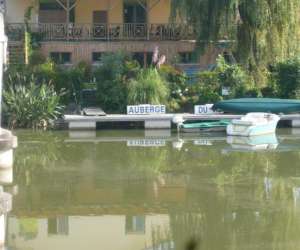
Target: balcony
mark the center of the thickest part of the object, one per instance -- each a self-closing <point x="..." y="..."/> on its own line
<point x="102" y="32"/>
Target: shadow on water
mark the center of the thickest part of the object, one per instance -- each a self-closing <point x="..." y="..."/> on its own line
<point x="154" y="190"/>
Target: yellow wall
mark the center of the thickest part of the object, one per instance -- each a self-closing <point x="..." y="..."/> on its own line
<point x="159" y="12"/>
<point x="84" y="10"/>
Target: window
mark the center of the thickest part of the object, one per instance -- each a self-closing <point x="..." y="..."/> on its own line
<point x="187" y="57"/>
<point x="135" y="224"/>
<point x="58" y="225"/>
<point x="100" y="17"/>
<point x="53" y="5"/>
<point x="61" y="57"/>
<point x="50" y="6"/>
<point x="96" y="57"/>
<point x="52" y="12"/>
<point x="143" y="58"/>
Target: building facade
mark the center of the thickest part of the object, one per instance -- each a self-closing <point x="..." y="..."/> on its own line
<point x="70" y="31"/>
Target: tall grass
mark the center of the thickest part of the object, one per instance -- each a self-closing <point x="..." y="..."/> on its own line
<point x="149" y="87"/>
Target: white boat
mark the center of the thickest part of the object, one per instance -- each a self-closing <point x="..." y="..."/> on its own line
<point x="254" y="124"/>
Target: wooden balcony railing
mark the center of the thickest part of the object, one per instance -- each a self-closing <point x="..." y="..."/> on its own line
<point x="103" y="32"/>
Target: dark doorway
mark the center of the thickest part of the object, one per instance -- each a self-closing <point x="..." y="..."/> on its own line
<point x="134" y="12"/>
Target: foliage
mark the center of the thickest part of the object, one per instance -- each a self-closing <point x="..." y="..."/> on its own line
<point x="233" y="77"/>
<point x="208" y="88"/>
<point x="265" y="31"/>
<point x="70" y="80"/>
<point x="31" y="105"/>
<point x="286" y="75"/>
<point x="149" y="87"/>
<point x="111" y="78"/>
<point x="36" y="58"/>
<point x="177" y="82"/>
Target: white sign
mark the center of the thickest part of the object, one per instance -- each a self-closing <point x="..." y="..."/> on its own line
<point x="146" y="109"/>
<point x="146" y="143"/>
<point x="204" y="109"/>
<point x="225" y="91"/>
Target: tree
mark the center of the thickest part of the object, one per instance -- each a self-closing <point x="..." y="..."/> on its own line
<point x="263" y="31"/>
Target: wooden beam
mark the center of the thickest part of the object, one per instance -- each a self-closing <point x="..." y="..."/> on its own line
<point x="68" y="7"/>
<point x="144" y="7"/>
<point x="68" y="11"/>
<point x="61" y="4"/>
<point x="74" y="5"/>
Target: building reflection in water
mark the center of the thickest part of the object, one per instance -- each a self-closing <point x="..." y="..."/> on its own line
<point x="108" y="195"/>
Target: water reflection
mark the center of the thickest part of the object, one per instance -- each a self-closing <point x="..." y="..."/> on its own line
<point x="261" y="142"/>
<point x="7" y="189"/>
<point x="103" y="192"/>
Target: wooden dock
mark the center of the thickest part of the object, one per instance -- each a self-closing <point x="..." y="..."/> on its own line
<point x="160" y="121"/>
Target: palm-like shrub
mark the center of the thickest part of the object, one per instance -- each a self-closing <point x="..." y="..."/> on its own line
<point x="31" y="106"/>
<point x="149" y="87"/>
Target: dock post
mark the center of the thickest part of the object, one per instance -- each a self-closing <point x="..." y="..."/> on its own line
<point x="89" y="125"/>
<point x="157" y="124"/>
<point x="295" y="123"/>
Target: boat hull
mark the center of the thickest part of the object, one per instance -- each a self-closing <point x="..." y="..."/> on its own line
<point x="219" y="126"/>
<point x="266" y="105"/>
<point x="251" y="128"/>
<point x="197" y="130"/>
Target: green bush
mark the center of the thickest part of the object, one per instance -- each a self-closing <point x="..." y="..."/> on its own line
<point x="177" y="83"/>
<point x="149" y="87"/>
<point x="208" y="88"/>
<point x="69" y="80"/>
<point x="286" y="75"/>
<point x="36" y="58"/>
<point x="31" y="105"/>
<point x="112" y="78"/>
<point x="233" y="77"/>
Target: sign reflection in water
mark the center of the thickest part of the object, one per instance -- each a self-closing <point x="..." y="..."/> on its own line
<point x="102" y="194"/>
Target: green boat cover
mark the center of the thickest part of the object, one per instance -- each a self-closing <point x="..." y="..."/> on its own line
<point x="206" y="125"/>
<point x="266" y="105"/>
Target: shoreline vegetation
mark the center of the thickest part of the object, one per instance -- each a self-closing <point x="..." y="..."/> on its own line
<point x="261" y="36"/>
<point x="40" y="92"/>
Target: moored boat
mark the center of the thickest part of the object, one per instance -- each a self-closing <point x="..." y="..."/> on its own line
<point x="254" y="124"/>
<point x="266" y="105"/>
<point x="209" y="126"/>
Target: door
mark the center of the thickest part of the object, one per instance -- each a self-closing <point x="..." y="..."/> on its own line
<point x="100" y="19"/>
<point x="135" y="13"/>
<point x="135" y="20"/>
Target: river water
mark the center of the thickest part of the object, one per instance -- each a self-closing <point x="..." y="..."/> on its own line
<point x="136" y="190"/>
